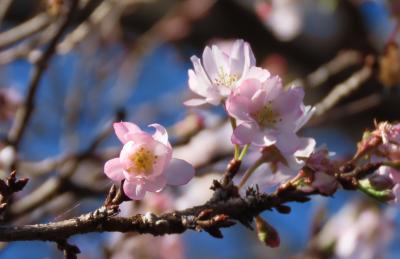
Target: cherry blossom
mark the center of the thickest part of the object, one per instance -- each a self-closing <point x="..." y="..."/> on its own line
<point x="269" y="115"/>
<point x="145" y="161"/>
<point x="220" y="71"/>
<point x="323" y="169"/>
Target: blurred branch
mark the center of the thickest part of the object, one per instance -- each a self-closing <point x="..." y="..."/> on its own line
<point x="25" y="112"/>
<point x="345" y="88"/>
<point x="25" y="30"/>
<point x="56" y="185"/>
<point x="352" y="108"/>
<point x="342" y="61"/>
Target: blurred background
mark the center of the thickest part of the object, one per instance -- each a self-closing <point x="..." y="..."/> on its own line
<point x="129" y="59"/>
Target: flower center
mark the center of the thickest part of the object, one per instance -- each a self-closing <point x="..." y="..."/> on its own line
<point x="225" y="79"/>
<point x="266" y="117"/>
<point x="143" y="161"/>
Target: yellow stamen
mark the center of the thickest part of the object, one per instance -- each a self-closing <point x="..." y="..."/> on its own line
<point x="266" y="117"/>
<point x="224" y="79"/>
<point x="143" y="161"/>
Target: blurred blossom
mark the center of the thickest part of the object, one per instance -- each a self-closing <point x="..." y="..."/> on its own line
<point x="147" y="246"/>
<point x="276" y="64"/>
<point x="205" y="145"/>
<point x="358" y="231"/>
<point x="196" y="192"/>
<point x="145" y="161"/>
<point x="283" y="17"/>
<point x="10" y="100"/>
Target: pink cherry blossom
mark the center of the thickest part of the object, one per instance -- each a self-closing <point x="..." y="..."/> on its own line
<point x="220" y="71"/>
<point x="323" y="169"/>
<point x="145" y="161"/>
<point x="268" y="114"/>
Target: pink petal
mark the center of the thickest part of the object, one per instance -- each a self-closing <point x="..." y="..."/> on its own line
<point x="274" y="88"/>
<point x="248" y="88"/>
<point x="210" y="63"/>
<point x="133" y="190"/>
<point x="198" y="80"/>
<point x="305" y="148"/>
<point x="113" y="169"/>
<point x="122" y="128"/>
<point x="178" y="172"/>
<point x="155" y="185"/>
<point x="288" y="142"/>
<point x="258" y="73"/>
<point x="237" y="59"/>
<point x="247" y="133"/>
<point x="308" y="112"/>
<point x="195" y="102"/>
<point x="289" y="101"/>
<point x="161" y="134"/>
<point x="238" y="107"/>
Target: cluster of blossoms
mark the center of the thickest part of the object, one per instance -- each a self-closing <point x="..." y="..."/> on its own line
<point x="267" y="115"/>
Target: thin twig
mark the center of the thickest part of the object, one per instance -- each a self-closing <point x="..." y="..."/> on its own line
<point x="24" y="114"/>
<point x="343" y="60"/>
<point x="345" y="88"/>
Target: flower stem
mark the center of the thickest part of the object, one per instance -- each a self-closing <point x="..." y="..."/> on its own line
<point x="250" y="171"/>
<point x="237" y="150"/>
<point x="244" y="152"/>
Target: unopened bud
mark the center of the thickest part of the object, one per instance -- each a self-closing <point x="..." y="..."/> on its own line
<point x="381" y="182"/>
<point x="267" y="233"/>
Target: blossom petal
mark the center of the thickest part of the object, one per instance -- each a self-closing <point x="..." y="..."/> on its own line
<point x="198" y="80"/>
<point x="178" y="172"/>
<point x="122" y="128"/>
<point x="273" y="86"/>
<point x="113" y="169"/>
<point x="238" y="107"/>
<point x="133" y="190"/>
<point x="289" y="101"/>
<point x="305" y="148"/>
<point x="288" y="142"/>
<point x="247" y="133"/>
<point x="308" y="112"/>
<point x="155" y="185"/>
<point x="195" y="102"/>
<point x="258" y="73"/>
<point x="161" y="134"/>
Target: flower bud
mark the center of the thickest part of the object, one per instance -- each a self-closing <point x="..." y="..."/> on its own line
<point x="267" y="233"/>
